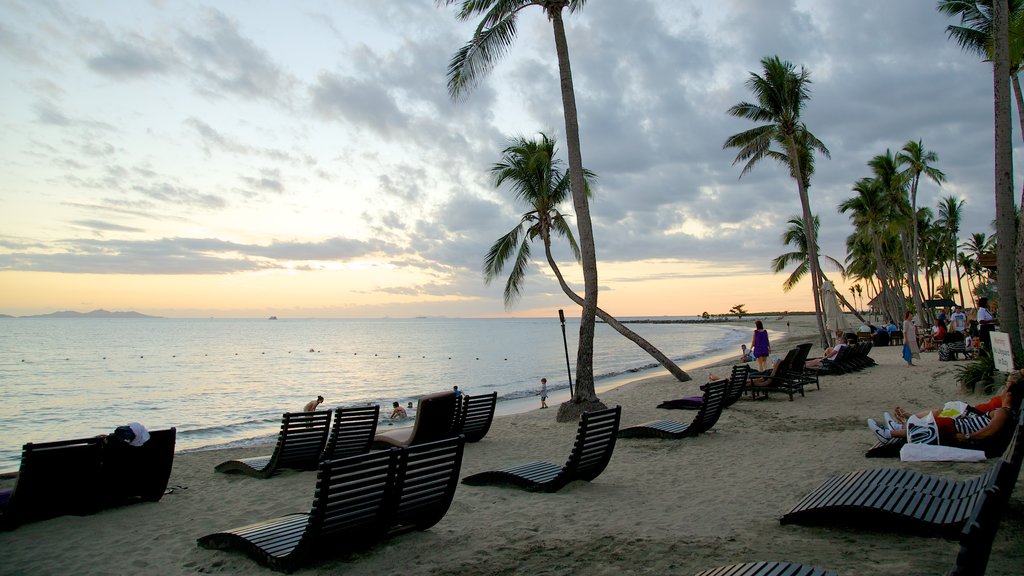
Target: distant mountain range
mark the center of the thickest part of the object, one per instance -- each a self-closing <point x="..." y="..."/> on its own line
<point x="93" y="314"/>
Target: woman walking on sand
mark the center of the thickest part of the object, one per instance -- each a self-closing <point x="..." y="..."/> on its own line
<point x="759" y="344"/>
<point x="910" y="349"/>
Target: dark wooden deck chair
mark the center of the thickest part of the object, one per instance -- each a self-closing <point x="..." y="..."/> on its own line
<point x="595" y="441"/>
<point x="733" y="392"/>
<point x="352" y="431"/>
<point x="476" y="415"/>
<point x="704" y="420"/>
<point x="809" y="376"/>
<point x="782" y="378"/>
<point x="435" y="419"/>
<point x="357" y="502"/>
<point x="902" y="500"/>
<point x="54" y="479"/>
<point x="299" y="446"/>
<point x="137" y="473"/>
<point x="975" y="547"/>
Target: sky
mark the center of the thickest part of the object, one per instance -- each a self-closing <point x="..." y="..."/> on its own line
<point x="304" y="159"/>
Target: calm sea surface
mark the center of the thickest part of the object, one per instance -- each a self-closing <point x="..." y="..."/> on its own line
<point x="228" y="380"/>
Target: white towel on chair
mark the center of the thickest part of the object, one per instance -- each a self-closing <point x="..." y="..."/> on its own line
<point x="934" y="453"/>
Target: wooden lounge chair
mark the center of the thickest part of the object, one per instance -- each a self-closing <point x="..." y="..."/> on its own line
<point x="975" y="546"/>
<point x="352" y="431"/>
<point x="85" y="475"/>
<point x="1003" y="443"/>
<point x="733" y="392"/>
<point x="54" y="479"/>
<point x="476" y="415"/>
<point x="358" y="501"/>
<point x="704" y="420"/>
<point x="137" y="473"/>
<point x="906" y="501"/>
<point x="300" y="443"/>
<point x="435" y="419"/>
<point x="595" y="441"/>
<point x="783" y="378"/>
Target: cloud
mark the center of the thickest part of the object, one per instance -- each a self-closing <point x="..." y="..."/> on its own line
<point x="131" y="57"/>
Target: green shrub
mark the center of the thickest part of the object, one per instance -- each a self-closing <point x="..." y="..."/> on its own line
<point x="979" y="371"/>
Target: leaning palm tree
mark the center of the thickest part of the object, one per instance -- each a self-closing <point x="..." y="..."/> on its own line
<point x="781" y="94"/>
<point x="537" y="180"/>
<point x="491" y="39"/>
<point x="917" y="161"/>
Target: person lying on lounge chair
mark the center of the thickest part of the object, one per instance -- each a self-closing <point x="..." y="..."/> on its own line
<point x="830" y="354"/>
<point x="977" y="424"/>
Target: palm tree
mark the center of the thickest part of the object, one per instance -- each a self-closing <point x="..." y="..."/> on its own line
<point x="996" y="31"/>
<point x="917" y="161"/>
<point x="794" y="236"/>
<point x="950" y="210"/>
<point x="537" y="180"/>
<point x="873" y="240"/>
<point x="781" y="94"/>
<point x="491" y="40"/>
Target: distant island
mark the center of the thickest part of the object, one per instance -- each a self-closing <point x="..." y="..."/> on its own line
<point x="93" y="314"/>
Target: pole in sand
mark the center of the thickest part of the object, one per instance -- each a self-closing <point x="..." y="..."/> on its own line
<point x="561" y="317"/>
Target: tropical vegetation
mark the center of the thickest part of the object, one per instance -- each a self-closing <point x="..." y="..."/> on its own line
<point x="537" y="181"/>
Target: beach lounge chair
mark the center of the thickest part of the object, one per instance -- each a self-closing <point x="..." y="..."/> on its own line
<point x="300" y="443"/>
<point x="476" y="415"/>
<point x="809" y="376"/>
<point x="1001" y="444"/>
<point x="975" y="546"/>
<point x="901" y="500"/>
<point x="595" y="441"/>
<point x="137" y="473"/>
<point x="733" y="392"/>
<point x="782" y="378"/>
<point x="351" y="432"/>
<point x="54" y="479"/>
<point x="704" y="420"/>
<point x="435" y="419"/>
<point x="357" y="501"/>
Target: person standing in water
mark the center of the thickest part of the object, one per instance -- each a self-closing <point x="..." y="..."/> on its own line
<point x="312" y="404"/>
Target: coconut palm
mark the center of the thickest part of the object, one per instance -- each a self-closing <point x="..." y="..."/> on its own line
<point x="537" y="181"/>
<point x="917" y="161"/>
<point x="950" y="214"/>
<point x="794" y="236"/>
<point x="996" y="30"/>
<point x="780" y="95"/>
<point x="492" y="38"/>
<point x="872" y="241"/>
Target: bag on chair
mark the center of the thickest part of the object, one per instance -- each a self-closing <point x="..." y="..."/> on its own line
<point x="922" y="430"/>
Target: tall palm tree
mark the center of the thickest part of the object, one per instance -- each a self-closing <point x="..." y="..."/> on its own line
<point x="950" y="215"/>
<point x="780" y="95"/>
<point x="917" y="161"/>
<point x="491" y="40"/>
<point x="537" y="180"/>
<point x="873" y="240"/>
<point x="794" y="236"/>
<point x="996" y="31"/>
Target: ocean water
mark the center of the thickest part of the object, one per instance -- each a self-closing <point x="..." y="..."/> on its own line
<point x="227" y="381"/>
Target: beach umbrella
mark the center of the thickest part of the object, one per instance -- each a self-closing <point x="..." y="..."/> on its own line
<point x="834" y="318"/>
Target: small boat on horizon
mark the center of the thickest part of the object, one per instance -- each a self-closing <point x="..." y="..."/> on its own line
<point x="273" y="318"/>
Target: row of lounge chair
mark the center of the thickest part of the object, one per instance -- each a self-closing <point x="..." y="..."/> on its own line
<point x="308" y="438"/>
<point x="911" y="503"/>
<point x="86" y="475"/>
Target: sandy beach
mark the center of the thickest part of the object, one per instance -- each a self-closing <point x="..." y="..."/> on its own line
<point x="661" y="506"/>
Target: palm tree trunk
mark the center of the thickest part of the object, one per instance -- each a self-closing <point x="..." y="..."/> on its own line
<point x="913" y="280"/>
<point x="585" y="394"/>
<point x="619" y="327"/>
<point x="1006" y="217"/>
<point x="812" y="238"/>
